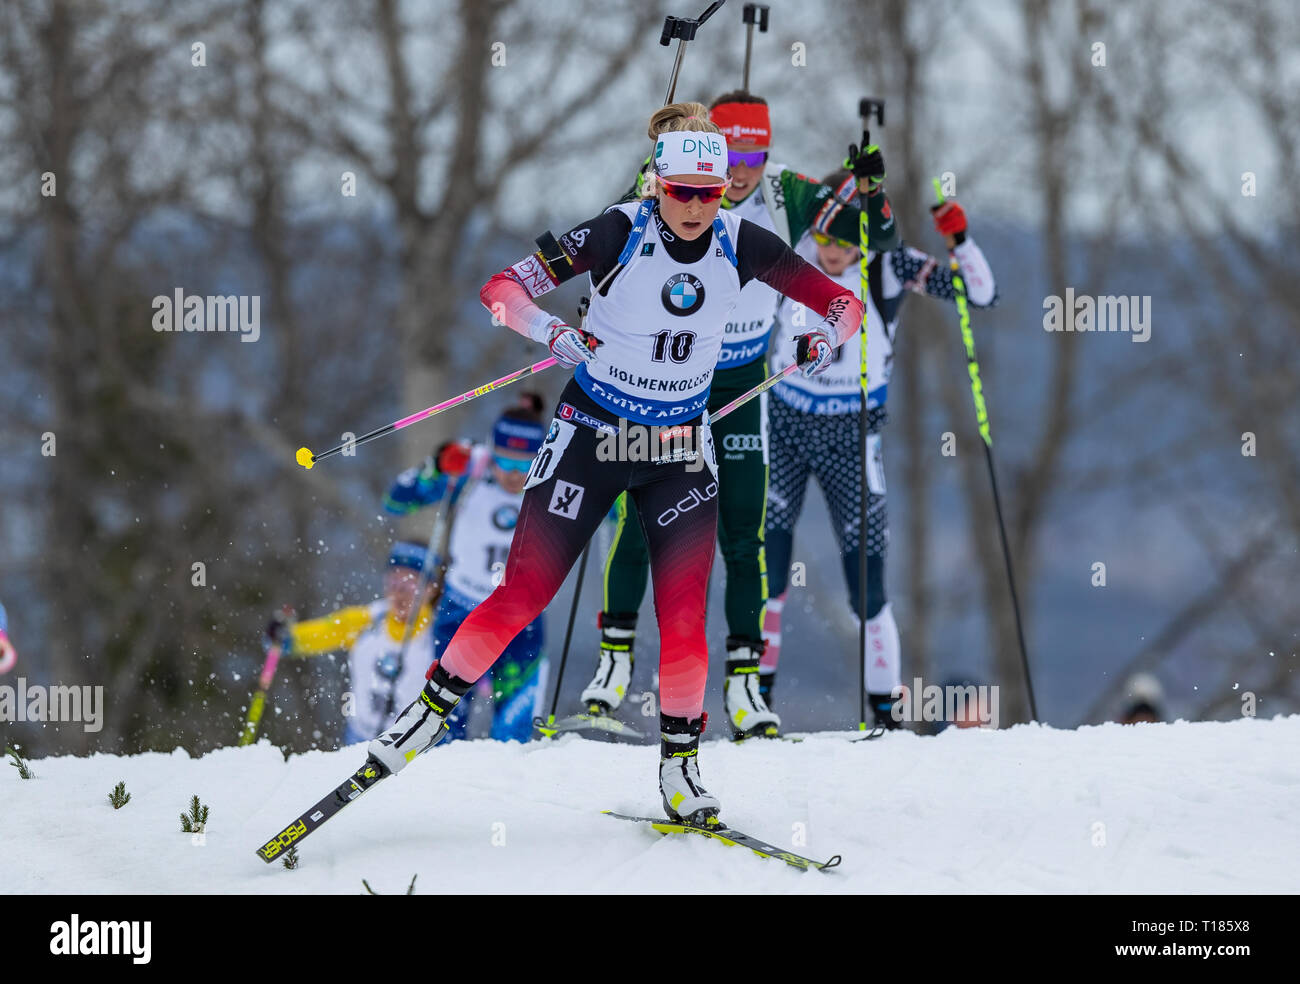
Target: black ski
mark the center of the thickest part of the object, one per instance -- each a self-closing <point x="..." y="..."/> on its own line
<point x="343" y="794"/>
<point x="758" y="739"/>
<point x="598" y="726"/>
<point x="732" y="838"/>
<point x="871" y="735"/>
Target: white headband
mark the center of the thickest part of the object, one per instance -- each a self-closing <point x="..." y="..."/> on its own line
<point x="691" y="152"/>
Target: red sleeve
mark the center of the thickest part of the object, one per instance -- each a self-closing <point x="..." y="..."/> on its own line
<point x="510" y="298"/>
<point x="592" y="246"/>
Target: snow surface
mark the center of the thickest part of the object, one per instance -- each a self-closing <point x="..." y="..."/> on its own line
<point x="1206" y="807"/>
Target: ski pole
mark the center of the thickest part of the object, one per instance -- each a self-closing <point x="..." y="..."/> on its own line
<point x="866" y="109"/>
<point x="432" y="549"/>
<point x="307" y="459"/>
<point x="439" y="542"/>
<point x="762" y="387"/>
<point x="258" y="703"/>
<point x="568" y="637"/>
<point x="8" y="660"/>
<point x="755" y="14"/>
<point x="682" y="29"/>
<point x="982" y="419"/>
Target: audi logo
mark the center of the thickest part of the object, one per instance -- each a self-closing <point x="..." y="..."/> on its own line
<point x="742" y="442"/>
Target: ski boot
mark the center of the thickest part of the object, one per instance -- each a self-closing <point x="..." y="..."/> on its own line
<point x="882" y="707"/>
<point x="423" y="724"/>
<point x="685" y="798"/>
<point x="750" y="716"/>
<point x="609" y="686"/>
<point x="766" y="684"/>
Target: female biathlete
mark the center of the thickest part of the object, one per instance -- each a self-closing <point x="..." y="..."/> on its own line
<point x="666" y="274"/>
<point x="814" y="426"/>
<point x="486" y="483"/>
<point x="781" y="201"/>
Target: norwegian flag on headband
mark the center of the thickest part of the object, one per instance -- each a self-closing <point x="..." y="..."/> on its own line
<point x="704" y="166"/>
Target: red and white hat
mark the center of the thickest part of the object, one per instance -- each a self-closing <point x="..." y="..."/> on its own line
<point x="746" y="123"/>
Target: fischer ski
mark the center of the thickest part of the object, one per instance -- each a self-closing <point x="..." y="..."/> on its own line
<point x="732" y="838"/>
<point x="876" y="732"/>
<point x="760" y="738"/>
<point x="343" y="794"/>
<point x="598" y="726"/>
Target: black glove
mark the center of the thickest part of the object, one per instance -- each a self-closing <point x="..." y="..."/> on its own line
<point x="867" y="163"/>
<point x="277" y="629"/>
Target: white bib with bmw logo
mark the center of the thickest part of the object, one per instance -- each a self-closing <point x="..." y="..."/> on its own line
<point x="839" y="388"/>
<point x="662" y="325"/>
<point x="480" y="540"/>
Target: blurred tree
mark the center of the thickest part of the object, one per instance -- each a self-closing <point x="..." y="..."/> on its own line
<point x="470" y="127"/>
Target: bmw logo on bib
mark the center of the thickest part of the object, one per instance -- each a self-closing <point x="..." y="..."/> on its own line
<point x="683" y="294"/>
<point x="506" y="517"/>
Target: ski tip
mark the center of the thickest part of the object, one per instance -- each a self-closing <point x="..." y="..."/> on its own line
<point x="305" y="458"/>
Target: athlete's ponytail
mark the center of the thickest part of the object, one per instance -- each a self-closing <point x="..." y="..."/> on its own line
<point x="681" y="116"/>
<point x="672" y="118"/>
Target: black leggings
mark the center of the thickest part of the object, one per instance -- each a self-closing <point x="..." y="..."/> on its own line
<point x="825" y="446"/>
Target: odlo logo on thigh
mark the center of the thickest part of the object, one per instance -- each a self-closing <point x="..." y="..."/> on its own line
<point x="690" y="502"/>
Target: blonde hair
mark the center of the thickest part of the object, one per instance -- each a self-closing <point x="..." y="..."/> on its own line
<point x="675" y="117"/>
<point x="681" y="116"/>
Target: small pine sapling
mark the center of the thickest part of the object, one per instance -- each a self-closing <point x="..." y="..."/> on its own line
<point x="119" y="797"/>
<point x="197" y="819"/>
<point x="19" y="763"/>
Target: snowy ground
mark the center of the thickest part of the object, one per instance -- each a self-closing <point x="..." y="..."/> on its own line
<point x="1152" y="808"/>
